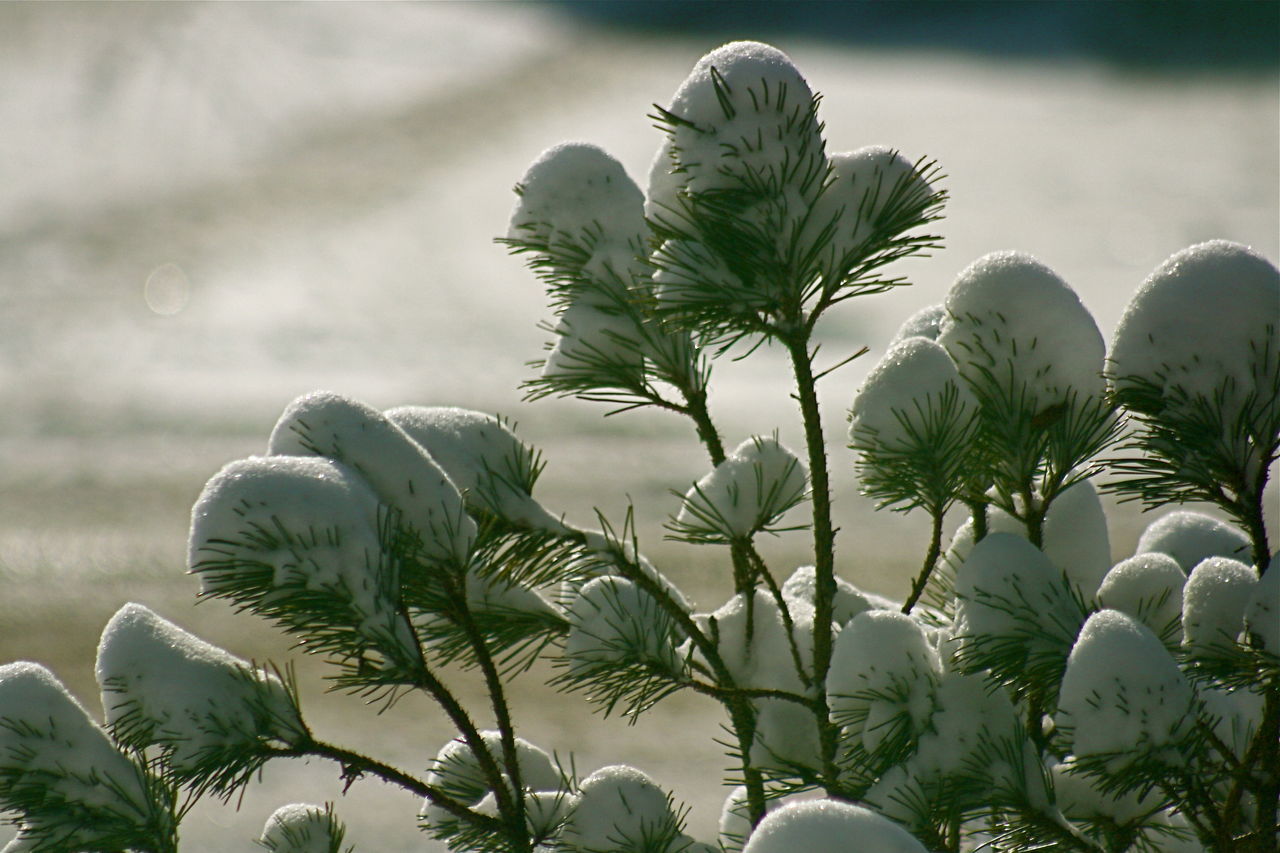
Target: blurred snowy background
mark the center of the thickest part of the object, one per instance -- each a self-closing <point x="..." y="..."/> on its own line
<point x="209" y="209"/>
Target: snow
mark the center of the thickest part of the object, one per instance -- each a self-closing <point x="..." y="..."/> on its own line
<point x="1149" y="588"/>
<point x="293" y="523"/>
<point x="883" y="675"/>
<point x="747" y="134"/>
<point x="762" y="659"/>
<point x="492" y="468"/>
<point x="1237" y="714"/>
<point x="576" y="196"/>
<point x="300" y="828"/>
<point x="786" y="737"/>
<point x="892" y="409"/>
<point x="828" y="826"/>
<point x="395" y="466"/>
<point x="49" y="744"/>
<point x="1123" y="694"/>
<point x="1262" y="616"/>
<point x="1075" y="537"/>
<point x="613" y="621"/>
<point x="867" y="191"/>
<point x="1009" y="314"/>
<point x="618" y="807"/>
<point x="1190" y="537"/>
<point x="457" y="772"/>
<point x="1079" y="798"/>
<point x="1006" y="587"/>
<point x="1206" y="316"/>
<point x="746" y="492"/>
<point x="849" y="601"/>
<point x="590" y="340"/>
<point x="162" y="685"/>
<point x="735" y="820"/>
<point x="1214" y="600"/>
<point x="925" y="323"/>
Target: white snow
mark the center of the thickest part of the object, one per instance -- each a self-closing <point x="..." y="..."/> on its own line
<point x="168" y="687"/>
<point x="1076" y="539"/>
<point x="1149" y="588"/>
<point x="49" y="743"/>
<point x="1236" y="715"/>
<point x="1007" y="587"/>
<point x="1190" y="537"/>
<point x="1214" y="600"/>
<point x="925" y="323"/>
<point x="576" y="196"/>
<point x="763" y="659"/>
<point x="1208" y="315"/>
<point x="590" y="340"/>
<point x="482" y="457"/>
<point x="1122" y="694"/>
<point x="786" y="736"/>
<point x="735" y="820"/>
<point x="300" y="828"/>
<point x="1011" y="315"/>
<point x="1262" y="616"/>
<point x="619" y="806"/>
<point x="1078" y="797"/>
<point x="614" y="621"/>
<point x="457" y="772"/>
<point x="867" y="189"/>
<point x="849" y="601"/>
<point x="903" y="394"/>
<point x="746" y="492"/>
<point x="829" y="826"/>
<point x="747" y="134"/>
<point x="883" y="675"/>
<point x="395" y="466"/>
<point x="311" y="524"/>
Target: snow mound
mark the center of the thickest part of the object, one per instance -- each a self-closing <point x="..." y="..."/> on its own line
<point x="1122" y="695"/>
<point x="904" y="393"/>
<point x="396" y="467"/>
<point x="614" y="621"/>
<point x="925" y="323"/>
<point x="204" y="706"/>
<point x="621" y="808"/>
<point x="747" y="492"/>
<point x="1262" y="616"/>
<point x="1214" y="601"/>
<point x="458" y="772"/>
<point x="1012" y="321"/>
<point x="1076" y="538"/>
<point x="1149" y="588"/>
<point x="302" y="828"/>
<point x="829" y="826"/>
<point x="1190" y="537"/>
<point x="1203" y="323"/>
<point x="800" y="591"/>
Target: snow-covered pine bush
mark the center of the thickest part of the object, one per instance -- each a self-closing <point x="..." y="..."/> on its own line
<point x="1028" y="694"/>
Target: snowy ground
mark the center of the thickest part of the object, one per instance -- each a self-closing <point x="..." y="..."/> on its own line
<point x="206" y="210"/>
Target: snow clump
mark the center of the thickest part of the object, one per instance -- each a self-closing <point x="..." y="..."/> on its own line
<point x="59" y="769"/>
<point x="205" y="707"/>
<point x="829" y="826"/>
<point x="1262" y="616"/>
<point x="925" y="323"/>
<point x="1013" y="322"/>
<point x="614" y="621"/>
<point x="800" y="592"/>
<point x="1123" y="696"/>
<point x="1203" y="325"/>
<point x="747" y="492"/>
<point x="283" y="533"/>
<point x="302" y="828"/>
<point x="1190" y="537"/>
<point x="1149" y="588"/>
<point x="621" y="808"/>
<point x="459" y="773"/>
<point x="484" y="459"/>
<point x="905" y="392"/>
<point x="883" y="676"/>
<point x="396" y="467"/>
<point x="1076" y="538"/>
<point x="1214" y="600"/>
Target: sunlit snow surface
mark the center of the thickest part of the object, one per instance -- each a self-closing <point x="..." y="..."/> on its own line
<point x="210" y="209"/>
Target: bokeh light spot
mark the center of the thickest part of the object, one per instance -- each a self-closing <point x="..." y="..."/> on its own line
<point x="167" y="290"/>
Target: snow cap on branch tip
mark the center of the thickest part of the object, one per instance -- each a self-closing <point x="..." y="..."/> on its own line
<point x="1206" y="319"/>
<point x="397" y="468"/>
<point x="828" y="826"/>
<point x="747" y="492"/>
<point x="1122" y="694"/>
<point x="925" y="323"/>
<point x="302" y="828"/>
<point x="613" y="621"/>
<point x="911" y="379"/>
<point x="576" y="195"/>
<point x="50" y="744"/>
<point x="1190" y="537"/>
<point x="620" y="807"/>
<point x="1214" y="600"/>
<point x="163" y="686"/>
<point x="1149" y="588"/>
<point x="1012" y="320"/>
